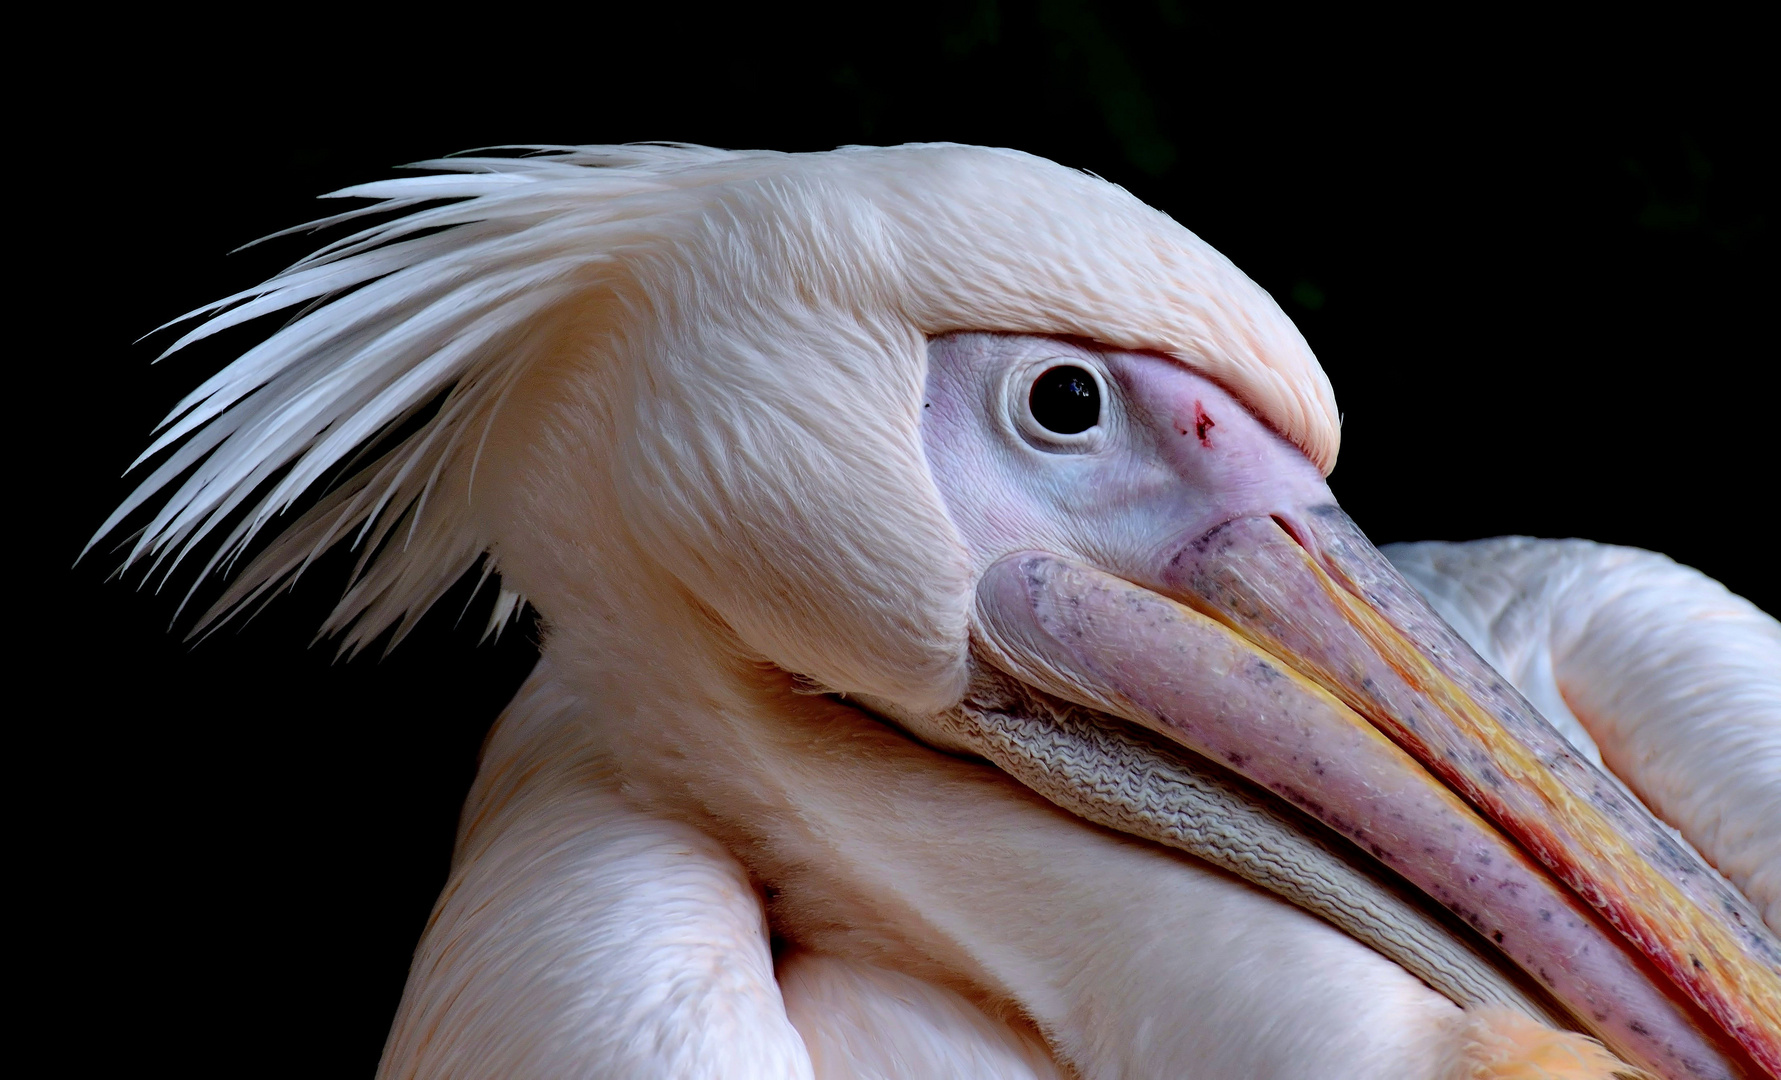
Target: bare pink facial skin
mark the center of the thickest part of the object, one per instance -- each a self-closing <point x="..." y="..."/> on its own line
<point x="1084" y="543"/>
<point x="1174" y="456"/>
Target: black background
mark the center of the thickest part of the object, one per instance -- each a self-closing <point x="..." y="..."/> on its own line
<point x="1537" y="261"/>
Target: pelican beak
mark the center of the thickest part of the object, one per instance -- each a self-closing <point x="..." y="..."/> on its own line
<point x="1294" y="655"/>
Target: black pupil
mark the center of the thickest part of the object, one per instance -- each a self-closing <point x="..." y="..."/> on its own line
<point x="1066" y="400"/>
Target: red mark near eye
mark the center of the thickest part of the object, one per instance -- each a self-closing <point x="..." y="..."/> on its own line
<point x="1202" y="424"/>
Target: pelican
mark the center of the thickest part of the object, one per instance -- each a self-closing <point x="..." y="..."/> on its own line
<point x="954" y="662"/>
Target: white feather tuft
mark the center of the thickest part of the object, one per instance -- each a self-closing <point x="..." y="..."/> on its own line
<point x="508" y="605"/>
<point x="437" y="302"/>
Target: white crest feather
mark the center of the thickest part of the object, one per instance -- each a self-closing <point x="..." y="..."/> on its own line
<point x="436" y="302"/>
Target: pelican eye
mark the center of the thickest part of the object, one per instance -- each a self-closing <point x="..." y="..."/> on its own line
<point x="1066" y="400"/>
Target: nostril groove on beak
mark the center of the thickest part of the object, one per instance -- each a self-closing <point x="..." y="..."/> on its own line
<point x="1303" y="536"/>
<point x="1299" y="536"/>
<point x="1307" y="541"/>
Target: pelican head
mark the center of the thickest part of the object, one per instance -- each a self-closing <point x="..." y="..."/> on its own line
<point x="987" y="451"/>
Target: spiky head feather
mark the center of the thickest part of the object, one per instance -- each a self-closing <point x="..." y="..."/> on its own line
<point x="749" y="330"/>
